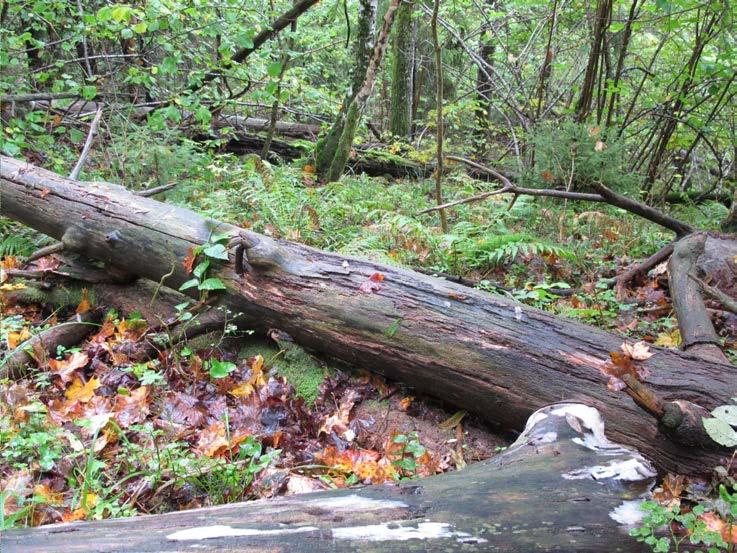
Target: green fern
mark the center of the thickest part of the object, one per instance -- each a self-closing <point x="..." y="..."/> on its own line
<point x="493" y="251"/>
<point x="15" y="244"/>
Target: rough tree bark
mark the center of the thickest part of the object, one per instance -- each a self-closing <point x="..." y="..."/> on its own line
<point x="591" y="500"/>
<point x="355" y="109"/>
<point x="481" y="352"/>
<point x="400" y="105"/>
<point x="362" y="48"/>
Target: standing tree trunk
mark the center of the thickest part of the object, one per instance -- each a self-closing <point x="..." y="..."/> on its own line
<point x="358" y="104"/>
<point x="439" y="114"/>
<point x="602" y="21"/>
<point x="706" y="30"/>
<point x="484" y="85"/>
<point x="400" y="120"/>
<point x="362" y="49"/>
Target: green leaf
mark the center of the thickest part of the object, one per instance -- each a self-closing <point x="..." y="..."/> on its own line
<point x="11" y="149"/>
<point x="211" y="284"/>
<point x="126" y="33"/>
<point x="140" y="28"/>
<point x="274" y="68"/>
<point x="727" y="413"/>
<point x="168" y="65"/>
<point x="89" y="92"/>
<point x="216" y="251"/>
<point x="721" y="432"/>
<point x="220" y="369"/>
<point x="121" y="13"/>
<point x="199" y="270"/>
<point x="191" y="283"/>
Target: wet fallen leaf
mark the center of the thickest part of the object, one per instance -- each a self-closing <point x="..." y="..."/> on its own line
<point x="65" y="368"/>
<point x="16" y="338"/>
<point x="639" y="351"/>
<point x="82" y="392"/>
<point x="189" y="260"/>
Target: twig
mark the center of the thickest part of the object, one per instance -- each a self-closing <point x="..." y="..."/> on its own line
<point x="729" y="303"/>
<point x="74" y="175"/>
<point x="46" y="250"/>
<point x="658" y="257"/>
<point x="155" y="190"/>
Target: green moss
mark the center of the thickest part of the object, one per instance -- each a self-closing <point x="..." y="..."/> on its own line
<point x="293" y="363"/>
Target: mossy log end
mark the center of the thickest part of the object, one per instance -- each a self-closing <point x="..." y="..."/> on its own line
<point x="562" y="486"/>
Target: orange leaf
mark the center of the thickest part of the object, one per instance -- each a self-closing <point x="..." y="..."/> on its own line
<point x="82" y="392"/>
<point x="189" y="260"/>
<point x="84" y="305"/>
<point x="65" y="368"/>
<point x="76" y="514"/>
<point x="548" y="176"/>
<point x="133" y="408"/>
<point x="47" y="495"/>
<point x="16" y="338"/>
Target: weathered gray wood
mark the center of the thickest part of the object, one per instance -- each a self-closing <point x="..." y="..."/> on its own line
<point x="561" y="487"/>
<point x="471" y="349"/>
<point x="696" y="328"/>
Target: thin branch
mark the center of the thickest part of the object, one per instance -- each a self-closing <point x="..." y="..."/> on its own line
<point x="74" y="175"/>
<point x="605" y="195"/>
<point x="729" y="303"/>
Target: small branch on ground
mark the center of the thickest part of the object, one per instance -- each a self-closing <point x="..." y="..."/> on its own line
<point x="729" y="303"/>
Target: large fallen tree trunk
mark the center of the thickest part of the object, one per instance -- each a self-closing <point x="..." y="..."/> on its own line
<point x="591" y="500"/>
<point x="471" y="349"/>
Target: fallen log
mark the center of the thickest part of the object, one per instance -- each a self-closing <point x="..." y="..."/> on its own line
<point x="471" y="349"/>
<point x="370" y="161"/>
<point x="592" y="491"/>
<point x="67" y="334"/>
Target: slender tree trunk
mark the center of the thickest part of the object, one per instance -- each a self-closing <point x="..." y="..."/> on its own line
<point x="400" y="119"/>
<point x="274" y="116"/>
<point x="484" y="85"/>
<point x="362" y="49"/>
<point x="358" y="104"/>
<point x="601" y="24"/>
<point x="623" y="50"/>
<point x="705" y="32"/>
<point x="439" y="114"/>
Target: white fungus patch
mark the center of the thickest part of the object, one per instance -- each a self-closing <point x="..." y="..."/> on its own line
<point x="393" y="531"/>
<point x="628" y="513"/>
<point x="354" y="502"/>
<point x="630" y="470"/>
<point x="222" y="531"/>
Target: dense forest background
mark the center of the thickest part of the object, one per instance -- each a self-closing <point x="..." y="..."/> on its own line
<point x="536" y="150"/>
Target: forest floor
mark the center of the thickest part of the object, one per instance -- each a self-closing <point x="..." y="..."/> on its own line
<point x="91" y="434"/>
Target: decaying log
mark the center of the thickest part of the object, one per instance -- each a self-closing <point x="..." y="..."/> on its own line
<point x="68" y="334"/>
<point x="562" y="486"/>
<point x="697" y="332"/>
<point x="471" y="349"/>
<point x="156" y="304"/>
